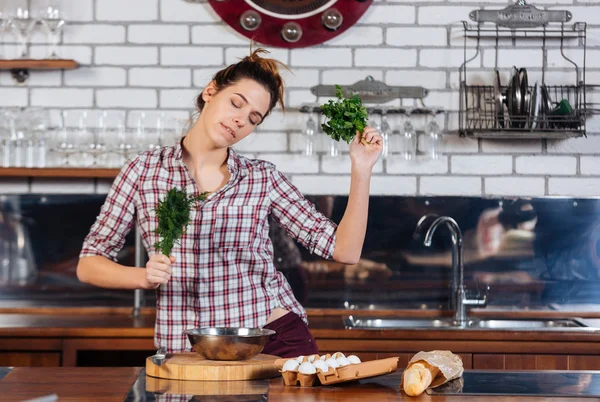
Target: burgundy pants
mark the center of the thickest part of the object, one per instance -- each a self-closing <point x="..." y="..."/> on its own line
<point x="291" y="339"/>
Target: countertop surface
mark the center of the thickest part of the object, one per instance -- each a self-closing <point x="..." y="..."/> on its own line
<point x="322" y="326"/>
<point x="131" y="384"/>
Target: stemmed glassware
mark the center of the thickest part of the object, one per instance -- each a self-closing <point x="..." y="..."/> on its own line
<point x="408" y="136"/>
<point x="432" y="146"/>
<point x="22" y="26"/>
<point x="310" y="131"/>
<point x="53" y="20"/>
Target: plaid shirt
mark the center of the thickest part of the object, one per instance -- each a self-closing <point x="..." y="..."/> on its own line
<point x="224" y="274"/>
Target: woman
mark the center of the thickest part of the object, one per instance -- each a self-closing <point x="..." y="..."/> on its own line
<point x="222" y="273"/>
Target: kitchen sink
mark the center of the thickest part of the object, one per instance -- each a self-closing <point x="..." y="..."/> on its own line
<point x="364" y="322"/>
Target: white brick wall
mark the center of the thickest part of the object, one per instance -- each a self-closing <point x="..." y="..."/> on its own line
<point x="156" y="55"/>
<point x="126" y="55"/>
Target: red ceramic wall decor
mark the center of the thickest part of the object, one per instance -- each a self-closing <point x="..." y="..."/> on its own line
<point x="290" y="23"/>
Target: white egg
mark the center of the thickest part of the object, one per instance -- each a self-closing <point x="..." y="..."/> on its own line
<point x="324" y="357"/>
<point x="337" y="355"/>
<point x="307" y="368"/>
<point x="312" y="358"/>
<point x="290" y="365"/>
<point x="332" y="362"/>
<point x="299" y="359"/>
<point x="354" y="359"/>
<point x="321" y="365"/>
<point x="343" y="361"/>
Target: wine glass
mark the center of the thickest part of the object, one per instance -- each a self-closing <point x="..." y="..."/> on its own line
<point x="22" y="25"/>
<point x="53" y="20"/>
<point x="386" y="132"/>
<point x="433" y="138"/>
<point x="309" y="135"/>
<point x="408" y="138"/>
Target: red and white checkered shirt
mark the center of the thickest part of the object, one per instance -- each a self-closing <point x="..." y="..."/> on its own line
<point x="224" y="274"/>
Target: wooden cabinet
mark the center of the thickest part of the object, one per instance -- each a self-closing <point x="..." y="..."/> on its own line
<point x="535" y="362"/>
<point x="30" y="359"/>
<point x="30" y="352"/>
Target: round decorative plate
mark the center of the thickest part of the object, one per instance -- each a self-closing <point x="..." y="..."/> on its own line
<point x="290" y="23"/>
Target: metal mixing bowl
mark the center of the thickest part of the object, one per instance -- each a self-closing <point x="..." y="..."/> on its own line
<point x="228" y="343"/>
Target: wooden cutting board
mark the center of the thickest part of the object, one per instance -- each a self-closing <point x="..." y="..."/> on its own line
<point x="191" y="366"/>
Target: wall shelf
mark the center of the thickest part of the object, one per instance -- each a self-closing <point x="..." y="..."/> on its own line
<point x="19" y="68"/>
<point x="90" y="173"/>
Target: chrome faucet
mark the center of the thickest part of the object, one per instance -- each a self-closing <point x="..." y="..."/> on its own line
<point x="460" y="299"/>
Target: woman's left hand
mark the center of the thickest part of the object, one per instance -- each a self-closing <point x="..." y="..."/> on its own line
<point x="366" y="148"/>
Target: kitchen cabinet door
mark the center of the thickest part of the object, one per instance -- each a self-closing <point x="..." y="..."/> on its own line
<point x="520" y="362"/>
<point x="30" y="359"/>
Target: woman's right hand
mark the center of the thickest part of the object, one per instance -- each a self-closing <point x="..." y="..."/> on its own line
<point x="158" y="270"/>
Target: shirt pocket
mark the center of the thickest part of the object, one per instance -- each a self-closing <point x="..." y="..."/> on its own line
<point x="237" y="226"/>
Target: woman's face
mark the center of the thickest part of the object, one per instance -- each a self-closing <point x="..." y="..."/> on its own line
<point x="232" y="113"/>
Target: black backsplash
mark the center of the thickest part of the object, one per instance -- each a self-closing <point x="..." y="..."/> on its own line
<point x="555" y="263"/>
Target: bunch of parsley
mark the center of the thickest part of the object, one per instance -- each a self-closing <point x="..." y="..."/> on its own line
<point x="346" y="116"/>
<point x="173" y="215"/>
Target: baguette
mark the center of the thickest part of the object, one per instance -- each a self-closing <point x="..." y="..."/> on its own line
<point x="418" y="377"/>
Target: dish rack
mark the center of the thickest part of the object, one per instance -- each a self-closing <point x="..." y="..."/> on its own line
<point x="522" y="107"/>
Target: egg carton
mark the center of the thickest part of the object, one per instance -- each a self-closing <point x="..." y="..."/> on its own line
<point x="338" y="375"/>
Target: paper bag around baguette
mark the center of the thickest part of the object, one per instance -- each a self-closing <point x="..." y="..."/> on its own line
<point x="430" y="370"/>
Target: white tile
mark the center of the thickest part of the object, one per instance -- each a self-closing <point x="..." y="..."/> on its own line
<point x="443" y="15"/>
<point x="11" y="185"/>
<point x="480" y="165"/>
<point x="62" y="97"/>
<point x="447" y="58"/>
<point x="13" y="97"/>
<point x="389" y="14"/>
<point x="515" y="186"/>
<point x="427" y="79"/>
<point x="349" y="76"/>
<point x="584" y="187"/>
<point x="114" y="98"/>
<point x="393" y="185"/>
<point x="191" y="56"/>
<point x="385" y="57"/>
<point x="541" y="164"/>
<point x="420" y="166"/>
<point x="126" y="55"/>
<point x="164" y="34"/>
<point x="512" y="146"/>
<point x="160" y="77"/>
<point x="321" y="57"/>
<point x="217" y="34"/>
<point x="130" y="10"/>
<point x="454" y="144"/>
<point x="96" y="76"/>
<point x="582" y="145"/>
<point x="416" y="36"/>
<point x="590" y="165"/>
<point x="448" y="185"/>
<point x="94" y="33"/>
<point x="178" y="98"/>
<point x="185" y="11"/>
<point x="358" y="36"/>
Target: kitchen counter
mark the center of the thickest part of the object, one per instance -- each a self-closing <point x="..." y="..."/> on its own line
<point x="322" y="326"/>
<point x="129" y="384"/>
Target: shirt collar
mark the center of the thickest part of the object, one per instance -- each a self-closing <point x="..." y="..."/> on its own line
<point x="234" y="162"/>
